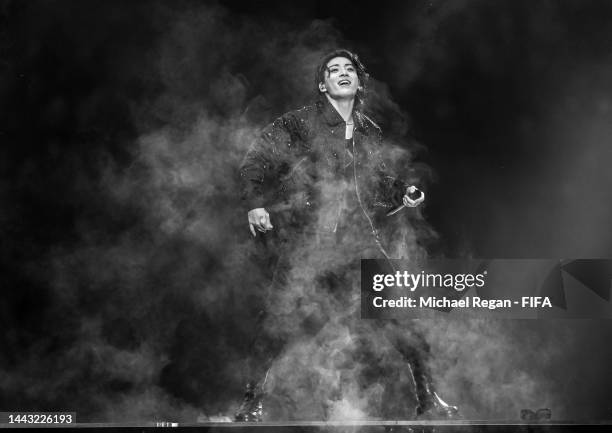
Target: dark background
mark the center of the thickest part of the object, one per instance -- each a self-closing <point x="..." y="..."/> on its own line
<point x="122" y="125"/>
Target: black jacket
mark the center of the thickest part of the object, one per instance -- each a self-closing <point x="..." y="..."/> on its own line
<point x="302" y="166"/>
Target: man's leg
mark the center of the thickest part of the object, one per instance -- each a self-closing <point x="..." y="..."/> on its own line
<point x="264" y="346"/>
<point x="415" y="350"/>
<point x="297" y="282"/>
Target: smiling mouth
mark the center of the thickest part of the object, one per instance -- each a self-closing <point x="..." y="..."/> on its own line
<point x="344" y="83"/>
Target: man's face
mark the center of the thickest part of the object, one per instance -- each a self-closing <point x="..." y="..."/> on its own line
<point x="341" y="81"/>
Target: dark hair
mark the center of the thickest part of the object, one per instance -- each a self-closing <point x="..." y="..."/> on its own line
<point x="360" y="68"/>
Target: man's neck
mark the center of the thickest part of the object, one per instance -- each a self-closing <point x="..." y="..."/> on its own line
<point x="344" y="107"/>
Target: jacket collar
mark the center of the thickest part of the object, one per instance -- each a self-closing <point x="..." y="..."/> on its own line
<point x="333" y="118"/>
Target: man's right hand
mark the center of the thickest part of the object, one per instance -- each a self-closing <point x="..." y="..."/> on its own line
<point x="259" y="219"/>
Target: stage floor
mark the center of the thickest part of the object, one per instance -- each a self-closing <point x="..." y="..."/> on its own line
<point x="395" y="426"/>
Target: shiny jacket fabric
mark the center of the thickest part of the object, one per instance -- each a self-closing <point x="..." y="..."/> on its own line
<point x="303" y="170"/>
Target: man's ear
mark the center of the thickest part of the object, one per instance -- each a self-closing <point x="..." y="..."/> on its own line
<point x="322" y="88"/>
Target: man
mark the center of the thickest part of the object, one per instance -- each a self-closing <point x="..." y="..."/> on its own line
<point x="317" y="183"/>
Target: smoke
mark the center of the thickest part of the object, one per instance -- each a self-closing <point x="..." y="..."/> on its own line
<point x="147" y="313"/>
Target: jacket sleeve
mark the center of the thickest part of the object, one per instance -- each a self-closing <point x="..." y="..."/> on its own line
<point x="391" y="187"/>
<point x="264" y="160"/>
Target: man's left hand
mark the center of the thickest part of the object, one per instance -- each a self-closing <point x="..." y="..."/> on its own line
<point x="409" y="202"/>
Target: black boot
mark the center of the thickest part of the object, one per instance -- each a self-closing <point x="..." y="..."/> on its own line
<point x="417" y="354"/>
<point x="430" y="405"/>
<point x="251" y="409"/>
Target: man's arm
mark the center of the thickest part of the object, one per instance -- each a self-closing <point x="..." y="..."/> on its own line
<point x="394" y="192"/>
<point x="260" y="169"/>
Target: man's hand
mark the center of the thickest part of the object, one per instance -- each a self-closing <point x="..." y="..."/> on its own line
<point x="414" y="192"/>
<point x="259" y="219"/>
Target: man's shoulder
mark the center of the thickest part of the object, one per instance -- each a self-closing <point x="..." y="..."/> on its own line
<point x="369" y="124"/>
<point x="295" y="120"/>
<point x="303" y="113"/>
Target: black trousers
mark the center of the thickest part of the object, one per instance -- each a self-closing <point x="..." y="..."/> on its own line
<point x="315" y="284"/>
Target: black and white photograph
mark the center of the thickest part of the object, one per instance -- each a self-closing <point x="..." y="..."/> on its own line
<point x="196" y="195"/>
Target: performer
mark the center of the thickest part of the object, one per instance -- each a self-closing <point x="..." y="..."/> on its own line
<point x="316" y="186"/>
